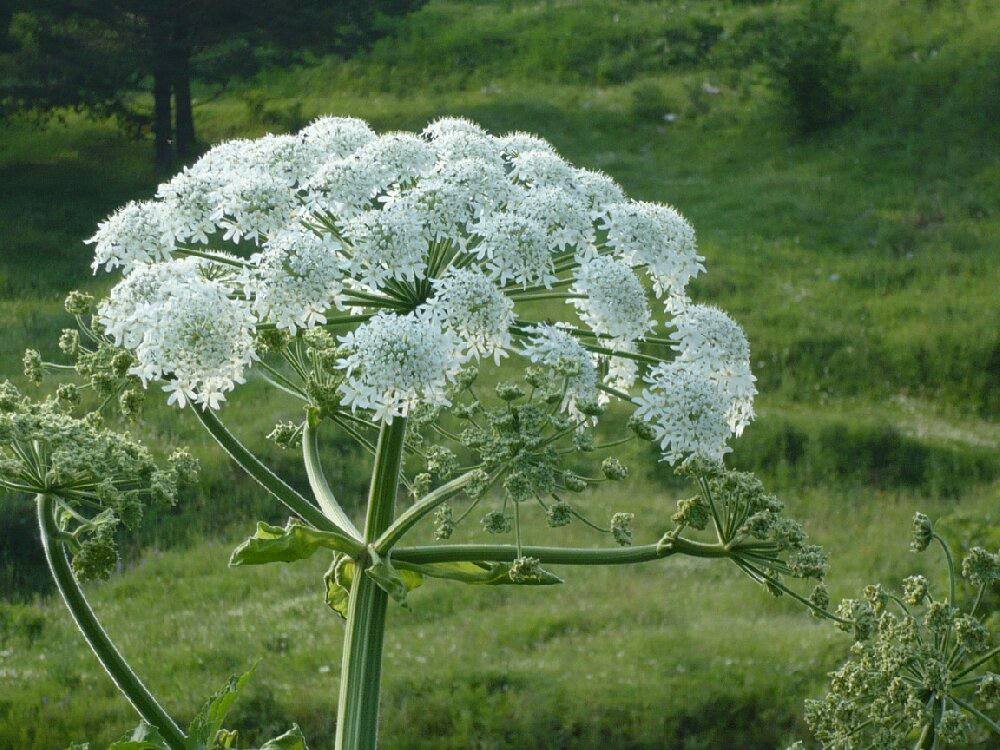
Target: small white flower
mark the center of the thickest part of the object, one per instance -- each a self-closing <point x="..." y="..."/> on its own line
<point x="342" y="186"/>
<point x="337" y="137"/>
<point x="289" y="159"/>
<point x="467" y="302"/>
<point x="515" y="248"/>
<point x="296" y="279"/>
<point x="395" y="363"/>
<point x="687" y="412"/>
<point x="614" y="302"/>
<point x="135" y="233"/>
<point x="564" y="215"/>
<point x="386" y="244"/>
<point x="598" y="192"/>
<point x="660" y="238"/>
<point x="555" y="349"/>
<point x="465" y="145"/>
<point x="446" y="125"/>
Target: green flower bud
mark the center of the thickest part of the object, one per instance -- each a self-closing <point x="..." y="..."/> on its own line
<point x="971" y="634"/>
<point x="953" y="728"/>
<point x="467" y="410"/>
<point x="820" y="597"/>
<point x="130" y="402"/>
<point x="467" y="376"/>
<point x="809" y="562"/>
<point x="876" y="597"/>
<point x="914" y="590"/>
<point x="163" y="487"/>
<point x="923" y="532"/>
<point x="536" y="377"/>
<point x="574" y="483"/>
<point x="444" y="522"/>
<point x="497" y="522"/>
<point x="861" y="617"/>
<point x="273" y="340"/>
<point x="590" y="408"/>
<point x="441" y="462"/>
<point x="693" y="512"/>
<point x="68" y="396"/>
<point x="121" y="362"/>
<point x="285" y="434"/>
<point x="614" y="469"/>
<point x="938" y="617"/>
<point x="97" y="556"/>
<point x="988" y="690"/>
<point x="32" y="362"/>
<point x="583" y="441"/>
<point x="642" y="429"/>
<point x="10" y="397"/>
<point x="420" y="485"/>
<point x="509" y="392"/>
<point x="477" y="484"/>
<point x="559" y="514"/>
<point x="185" y="466"/>
<point x="981" y="568"/>
<point x="78" y="303"/>
<point x="621" y="528"/>
<point x="525" y="569"/>
<point x="69" y="342"/>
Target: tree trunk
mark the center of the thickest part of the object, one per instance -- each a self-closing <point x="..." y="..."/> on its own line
<point x="162" y="125"/>
<point x="184" y="122"/>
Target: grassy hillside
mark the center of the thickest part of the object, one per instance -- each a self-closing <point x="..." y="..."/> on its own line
<point x="862" y="262"/>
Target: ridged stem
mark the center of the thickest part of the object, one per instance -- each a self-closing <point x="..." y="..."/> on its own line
<point x="105" y="651"/>
<point x="361" y="668"/>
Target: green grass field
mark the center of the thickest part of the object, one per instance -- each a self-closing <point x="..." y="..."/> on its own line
<point x="862" y="262"/>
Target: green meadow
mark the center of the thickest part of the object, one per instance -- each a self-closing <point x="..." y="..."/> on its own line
<point x="862" y="261"/>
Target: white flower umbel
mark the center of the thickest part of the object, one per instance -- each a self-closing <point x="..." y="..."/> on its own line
<point x="337" y="137"/>
<point x="687" y="412"/>
<point x="541" y="169"/>
<point x="398" y="157"/>
<point x="254" y="205"/>
<point x="386" y="244"/>
<point x="342" y="186"/>
<point x="395" y="363"/>
<point x="190" y="204"/>
<point x="135" y="233"/>
<point x="446" y="125"/>
<point x="597" y="191"/>
<point x="712" y="342"/>
<point x="557" y="350"/>
<point x="515" y="248"/>
<point x="289" y="159"/>
<point x="459" y="144"/>
<point x="563" y="213"/>
<point x="613" y="303"/>
<point x="658" y="237"/>
<point x="517" y="143"/>
<point x="297" y="279"/>
<point x="467" y="302"/>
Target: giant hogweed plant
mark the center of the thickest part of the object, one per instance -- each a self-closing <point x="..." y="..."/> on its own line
<point x="479" y="315"/>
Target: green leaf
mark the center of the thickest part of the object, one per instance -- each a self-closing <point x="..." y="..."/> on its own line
<point x="295" y="541"/>
<point x="143" y="737"/>
<point x="208" y="721"/>
<point x="290" y="740"/>
<point x="338" y="584"/>
<point x="479" y="573"/>
<point x="396" y="582"/>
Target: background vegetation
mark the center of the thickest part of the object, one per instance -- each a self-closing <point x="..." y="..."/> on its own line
<point x="844" y="182"/>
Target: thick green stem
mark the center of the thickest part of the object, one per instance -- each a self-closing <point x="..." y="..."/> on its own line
<point x="317" y="478"/>
<point x="557" y="555"/>
<point x="361" y="668"/>
<point x="112" y="661"/>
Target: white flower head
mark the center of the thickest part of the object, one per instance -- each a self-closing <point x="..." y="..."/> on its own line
<point x="515" y="248"/>
<point x="342" y="186"/>
<point x="465" y="145"/>
<point x="398" y="157"/>
<point x="516" y="143"/>
<point x="659" y="237"/>
<point x="467" y="302"/>
<point x="687" y="412"/>
<point x="289" y="159"/>
<point x="556" y="349"/>
<point x="296" y="279"/>
<point x="712" y="342"/>
<point x="135" y="233"/>
<point x="541" y="169"/>
<point x="386" y="244"/>
<point x="190" y="204"/>
<point x="255" y="205"/>
<point x="614" y="302"/>
<point x="564" y="215"/>
<point x="447" y="125"/>
<point x="395" y="363"/>
<point x="337" y="137"/>
<point x="597" y="191"/>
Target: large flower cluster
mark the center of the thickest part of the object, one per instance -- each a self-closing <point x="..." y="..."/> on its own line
<point x="442" y="247"/>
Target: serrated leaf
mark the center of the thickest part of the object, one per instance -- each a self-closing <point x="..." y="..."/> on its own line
<point x="479" y="573"/>
<point x="208" y="721"/>
<point x="294" y="541"/>
<point x="290" y="740"/>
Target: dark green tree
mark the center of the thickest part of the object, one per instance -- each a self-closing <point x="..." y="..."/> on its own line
<point x="103" y="56"/>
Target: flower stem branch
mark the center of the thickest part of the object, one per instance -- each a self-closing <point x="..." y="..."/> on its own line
<point x="111" y="659"/>
<point x="317" y="478"/>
